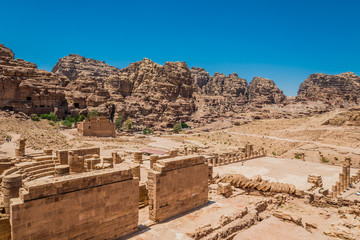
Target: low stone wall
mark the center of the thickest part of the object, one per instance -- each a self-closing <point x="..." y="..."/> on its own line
<point x="62" y="155"/>
<point x="177" y="185"/>
<point x="95" y="205"/>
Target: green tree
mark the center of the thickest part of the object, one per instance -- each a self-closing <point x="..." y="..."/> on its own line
<point x="118" y="122"/>
<point x="92" y="113"/>
<point x="67" y="123"/>
<point x="177" y="128"/>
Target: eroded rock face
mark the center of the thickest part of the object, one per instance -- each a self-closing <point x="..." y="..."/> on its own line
<point x="148" y="92"/>
<point x="74" y="65"/>
<point x="27" y="89"/>
<point x="333" y="89"/>
<point x="264" y="91"/>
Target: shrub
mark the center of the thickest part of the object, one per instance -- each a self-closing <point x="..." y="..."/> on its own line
<point x="81" y="118"/>
<point x="52" y="123"/>
<point x="184" y="125"/>
<point x="67" y="123"/>
<point x="51" y="116"/>
<point x="274" y="153"/>
<point x="92" y="113"/>
<point x="118" y="122"/>
<point x="35" y="117"/>
<point x="336" y="158"/>
<point x="177" y="128"/>
<point x="298" y="155"/>
<point x="128" y="125"/>
<point x="325" y="160"/>
<point x="147" y="130"/>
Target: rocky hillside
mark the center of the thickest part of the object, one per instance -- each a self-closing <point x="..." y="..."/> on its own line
<point x="342" y="89"/>
<point x="25" y="88"/>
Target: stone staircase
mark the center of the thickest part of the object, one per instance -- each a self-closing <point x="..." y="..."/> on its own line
<point x="42" y="166"/>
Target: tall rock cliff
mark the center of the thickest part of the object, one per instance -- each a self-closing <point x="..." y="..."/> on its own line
<point x="149" y="93"/>
<point x="25" y="88"/>
<point x="333" y="89"/>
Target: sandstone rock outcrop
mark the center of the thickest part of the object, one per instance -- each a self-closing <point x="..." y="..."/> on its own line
<point x="146" y="91"/>
<point x="25" y="88"/>
<point x="342" y="89"/>
<point x="264" y="91"/>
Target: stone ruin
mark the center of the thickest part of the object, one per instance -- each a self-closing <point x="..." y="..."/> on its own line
<point x="97" y="127"/>
<point x="345" y="180"/>
<point x="41" y="189"/>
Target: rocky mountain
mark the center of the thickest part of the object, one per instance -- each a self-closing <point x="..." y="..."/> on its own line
<point x="264" y="91"/>
<point x="159" y="95"/>
<point x="25" y="88"/>
<point x="146" y="91"/>
<point x="342" y="89"/>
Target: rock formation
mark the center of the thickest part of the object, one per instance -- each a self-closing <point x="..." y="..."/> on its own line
<point x="264" y="91"/>
<point x="145" y="91"/>
<point x="342" y="89"/>
<point x="25" y="88"/>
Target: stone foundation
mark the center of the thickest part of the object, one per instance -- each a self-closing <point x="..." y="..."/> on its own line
<point x="177" y="185"/>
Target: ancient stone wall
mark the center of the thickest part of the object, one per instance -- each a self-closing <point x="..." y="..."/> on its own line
<point x="62" y="155"/>
<point x="177" y="185"/>
<point x="97" y="127"/>
<point x="97" y="205"/>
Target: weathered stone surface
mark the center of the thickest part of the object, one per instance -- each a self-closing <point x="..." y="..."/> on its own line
<point x="264" y="91"/>
<point x="342" y="89"/>
<point x="179" y="186"/>
<point x="25" y="88"/>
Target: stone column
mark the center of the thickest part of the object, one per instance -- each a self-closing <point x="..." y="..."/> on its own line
<point x="334" y="191"/>
<point x="10" y="189"/>
<point x="62" y="170"/>
<point x="153" y="159"/>
<point x="138" y="157"/>
<point x="348" y="182"/>
<point x="344" y="172"/>
<point x="19" y="152"/>
<point x="338" y="188"/>
<point x="342" y="182"/>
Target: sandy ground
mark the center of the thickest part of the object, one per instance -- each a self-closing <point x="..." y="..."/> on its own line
<point x="275" y="229"/>
<point x="284" y="170"/>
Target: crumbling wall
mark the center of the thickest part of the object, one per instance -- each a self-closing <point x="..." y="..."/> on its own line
<point x="97" y="127"/>
<point x="97" y="205"/>
<point x="177" y="185"/>
<point x="62" y="155"/>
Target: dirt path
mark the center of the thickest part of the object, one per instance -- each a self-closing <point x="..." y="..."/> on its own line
<point x="341" y="148"/>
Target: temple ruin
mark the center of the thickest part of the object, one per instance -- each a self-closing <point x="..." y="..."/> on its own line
<point x="97" y="127"/>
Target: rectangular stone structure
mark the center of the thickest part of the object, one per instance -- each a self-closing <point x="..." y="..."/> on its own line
<point x="97" y="127"/>
<point x="62" y="155"/>
<point x="97" y="205"/>
<point x="177" y="185"/>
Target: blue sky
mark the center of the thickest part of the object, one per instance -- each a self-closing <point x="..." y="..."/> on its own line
<point x="282" y="40"/>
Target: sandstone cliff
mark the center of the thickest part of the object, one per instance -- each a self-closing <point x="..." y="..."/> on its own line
<point x="342" y="89"/>
<point x="148" y="92"/>
<point x="27" y="89"/>
<point x="264" y="91"/>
